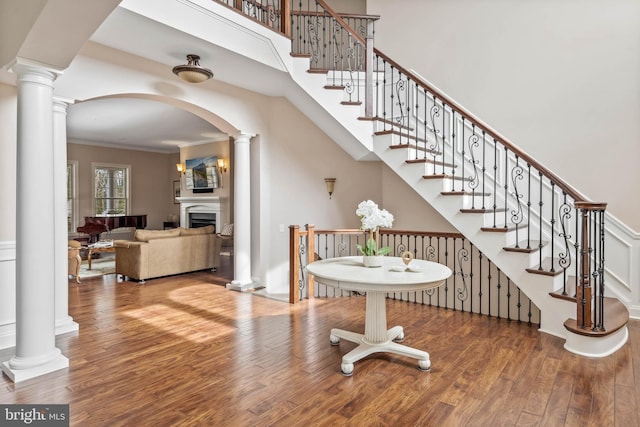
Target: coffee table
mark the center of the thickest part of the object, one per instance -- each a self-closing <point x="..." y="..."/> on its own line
<point x="349" y="273"/>
<point x="92" y="251"/>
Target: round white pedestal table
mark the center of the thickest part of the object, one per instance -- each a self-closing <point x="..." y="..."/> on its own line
<point x="350" y="274"/>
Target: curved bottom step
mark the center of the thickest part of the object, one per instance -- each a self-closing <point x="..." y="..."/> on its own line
<point x="601" y="346"/>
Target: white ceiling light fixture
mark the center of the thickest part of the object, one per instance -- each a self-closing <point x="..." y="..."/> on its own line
<point x="193" y="72"/>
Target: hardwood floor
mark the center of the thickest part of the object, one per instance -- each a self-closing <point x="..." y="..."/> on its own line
<point x="184" y="351"/>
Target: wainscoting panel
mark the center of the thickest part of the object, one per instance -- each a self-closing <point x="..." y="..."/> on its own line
<point x="7" y="294"/>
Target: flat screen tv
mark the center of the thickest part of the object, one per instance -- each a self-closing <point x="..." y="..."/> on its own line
<point x="202" y="174"/>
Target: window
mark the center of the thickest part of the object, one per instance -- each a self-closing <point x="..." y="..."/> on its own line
<point x="72" y="199"/>
<point x="111" y="189"/>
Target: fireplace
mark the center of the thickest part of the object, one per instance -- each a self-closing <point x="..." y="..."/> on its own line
<point x="202" y="219"/>
<point x="200" y="211"/>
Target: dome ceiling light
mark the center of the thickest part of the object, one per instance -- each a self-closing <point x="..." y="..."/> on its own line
<point x="192" y="72"/>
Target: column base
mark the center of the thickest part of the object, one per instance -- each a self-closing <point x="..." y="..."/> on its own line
<point x="241" y="287"/>
<point x="66" y="326"/>
<point x="18" y="375"/>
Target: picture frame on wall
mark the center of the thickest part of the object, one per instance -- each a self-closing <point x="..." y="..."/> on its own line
<point x="176" y="192"/>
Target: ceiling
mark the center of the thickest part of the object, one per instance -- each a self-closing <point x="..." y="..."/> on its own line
<point x="151" y="125"/>
<point x="137" y="124"/>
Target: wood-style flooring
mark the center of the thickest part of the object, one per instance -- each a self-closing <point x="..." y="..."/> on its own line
<point x="184" y="351"/>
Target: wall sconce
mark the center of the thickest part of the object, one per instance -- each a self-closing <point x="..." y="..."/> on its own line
<point x="181" y="167"/>
<point x="331" y="182"/>
<point x="221" y="166"/>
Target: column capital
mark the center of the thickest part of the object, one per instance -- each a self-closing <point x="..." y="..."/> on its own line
<point x="60" y="105"/>
<point x="33" y="71"/>
<point x="243" y="137"/>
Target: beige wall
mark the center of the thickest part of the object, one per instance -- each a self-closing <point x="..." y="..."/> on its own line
<point x="559" y="80"/>
<point x="152" y="175"/>
<point x="348" y="6"/>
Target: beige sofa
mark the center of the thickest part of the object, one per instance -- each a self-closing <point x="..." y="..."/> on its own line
<point x="157" y="253"/>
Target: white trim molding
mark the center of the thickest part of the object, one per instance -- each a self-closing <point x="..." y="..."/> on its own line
<point x="622" y="264"/>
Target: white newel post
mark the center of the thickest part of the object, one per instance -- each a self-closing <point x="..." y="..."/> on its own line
<point x="35" y="353"/>
<point x="242" y="215"/>
<point x="64" y="322"/>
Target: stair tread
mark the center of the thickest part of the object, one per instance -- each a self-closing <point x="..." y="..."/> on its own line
<point x="332" y="87"/>
<point x="482" y="210"/>
<point x="616" y="316"/>
<point x="431" y="161"/>
<point x="401" y="134"/>
<point x="464" y="193"/>
<point x="503" y="228"/>
<point x="568" y="293"/>
<point x="351" y="103"/>
<point x="445" y="176"/>
<point x="546" y="267"/>
<point x="383" y="120"/>
<point x="525" y="247"/>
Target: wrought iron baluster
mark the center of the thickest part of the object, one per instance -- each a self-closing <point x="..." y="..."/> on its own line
<point x="576" y="245"/>
<point x="434" y="114"/>
<point x="508" y="299"/>
<point x="473" y="142"/>
<point x="528" y="206"/>
<point x="498" y="288"/>
<point x="471" y="278"/>
<point x="495" y="183"/>
<point x="446" y="262"/>
<point x="506" y="185"/>
<point x="444" y="144"/>
<point x="519" y="305"/>
<point x="540" y="204"/>
<point x="480" y="284"/>
<point x="302" y="282"/>
<point x="565" y="257"/>
<point x="517" y="213"/>
<point x="462" y="292"/>
<point x="553" y="222"/>
<point x="453" y="145"/>
<point x="481" y="294"/>
<point x="484" y="168"/>
<point x="600" y="214"/>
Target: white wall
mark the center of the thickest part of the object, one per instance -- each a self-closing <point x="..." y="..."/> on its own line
<point x="558" y="79"/>
<point x="8" y="135"/>
<point x="8" y="129"/>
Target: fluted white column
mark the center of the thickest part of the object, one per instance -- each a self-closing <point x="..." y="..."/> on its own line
<point x="242" y="215"/>
<point x="64" y="322"/>
<point x="35" y="353"/>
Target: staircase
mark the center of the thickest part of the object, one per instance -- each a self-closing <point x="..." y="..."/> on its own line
<point x="543" y="234"/>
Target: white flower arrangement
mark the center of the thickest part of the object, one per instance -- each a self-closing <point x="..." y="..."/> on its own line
<point x="371" y="219"/>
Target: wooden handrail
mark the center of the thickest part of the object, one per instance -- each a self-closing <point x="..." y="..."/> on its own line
<point x="394" y="232"/>
<point x="577" y="196"/>
<point x="340" y="21"/>
<point x="342" y="15"/>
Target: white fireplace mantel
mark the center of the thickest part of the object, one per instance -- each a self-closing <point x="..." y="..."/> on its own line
<point x="206" y="204"/>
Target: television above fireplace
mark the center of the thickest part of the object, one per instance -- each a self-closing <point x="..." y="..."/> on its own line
<point x="202" y="174"/>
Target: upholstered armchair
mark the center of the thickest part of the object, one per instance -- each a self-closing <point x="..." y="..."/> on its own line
<point x="74" y="259"/>
<point x="226" y="235"/>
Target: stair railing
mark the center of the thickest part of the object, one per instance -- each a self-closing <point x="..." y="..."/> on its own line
<point x="515" y="191"/>
<point x="476" y="286"/>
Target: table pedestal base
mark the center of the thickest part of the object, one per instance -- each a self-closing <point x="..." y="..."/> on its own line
<point x="366" y="347"/>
